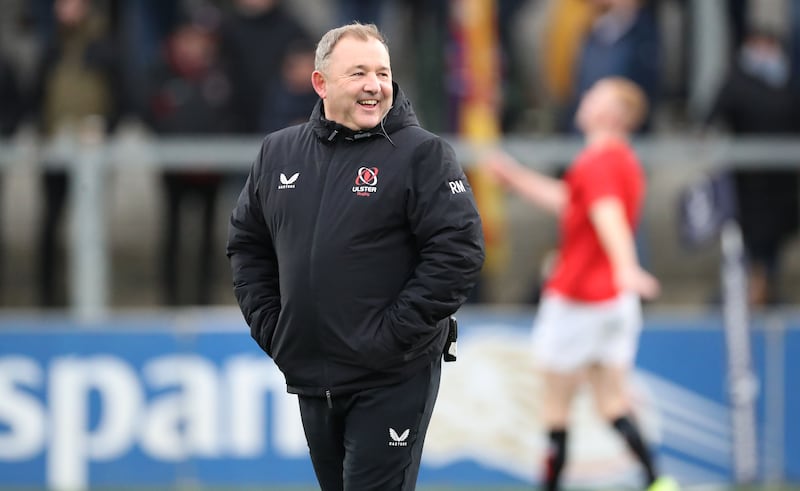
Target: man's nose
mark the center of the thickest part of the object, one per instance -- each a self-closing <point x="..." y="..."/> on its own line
<point x="372" y="84"/>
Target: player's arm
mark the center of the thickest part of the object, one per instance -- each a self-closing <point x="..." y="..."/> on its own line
<point x="616" y="237"/>
<point x="544" y="191"/>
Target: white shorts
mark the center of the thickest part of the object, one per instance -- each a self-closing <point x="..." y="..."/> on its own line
<point x="570" y="335"/>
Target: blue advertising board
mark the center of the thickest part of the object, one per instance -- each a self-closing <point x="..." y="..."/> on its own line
<point x="156" y="400"/>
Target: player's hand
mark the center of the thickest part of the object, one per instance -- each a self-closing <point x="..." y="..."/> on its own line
<point x="639" y="281"/>
<point x="500" y="166"/>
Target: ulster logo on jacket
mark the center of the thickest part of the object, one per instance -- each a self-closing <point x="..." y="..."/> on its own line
<point x="366" y="181"/>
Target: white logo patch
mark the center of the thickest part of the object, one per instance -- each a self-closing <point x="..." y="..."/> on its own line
<point x="398" y="440"/>
<point x="457" y="187"/>
<point x="288" y="182"/>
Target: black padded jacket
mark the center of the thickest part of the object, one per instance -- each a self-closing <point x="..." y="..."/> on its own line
<point x="350" y="250"/>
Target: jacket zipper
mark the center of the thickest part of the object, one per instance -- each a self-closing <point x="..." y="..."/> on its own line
<point x="323" y="178"/>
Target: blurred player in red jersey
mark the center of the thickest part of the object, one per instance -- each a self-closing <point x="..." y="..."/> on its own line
<point x="590" y="314"/>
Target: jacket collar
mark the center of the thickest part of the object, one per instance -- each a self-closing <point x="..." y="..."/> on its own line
<point x="400" y="115"/>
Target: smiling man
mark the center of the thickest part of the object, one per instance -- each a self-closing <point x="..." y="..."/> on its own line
<point x="354" y="80"/>
<point x="354" y="240"/>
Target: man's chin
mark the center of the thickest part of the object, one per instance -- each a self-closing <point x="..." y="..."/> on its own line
<point x="369" y="122"/>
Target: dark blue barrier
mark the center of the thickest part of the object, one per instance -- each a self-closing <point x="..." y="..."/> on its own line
<point x="164" y="399"/>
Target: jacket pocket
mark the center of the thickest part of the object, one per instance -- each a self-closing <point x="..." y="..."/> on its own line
<point x="383" y="348"/>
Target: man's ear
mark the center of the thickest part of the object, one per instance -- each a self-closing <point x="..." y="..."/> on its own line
<point x="319" y="83"/>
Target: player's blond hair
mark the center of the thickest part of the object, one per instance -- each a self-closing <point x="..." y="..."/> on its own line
<point x="364" y="32"/>
<point x="631" y="98"/>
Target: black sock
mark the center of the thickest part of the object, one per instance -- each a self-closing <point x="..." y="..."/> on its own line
<point x="632" y="436"/>
<point x="556" y="457"/>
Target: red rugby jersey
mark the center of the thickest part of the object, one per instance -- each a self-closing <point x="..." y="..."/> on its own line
<point x="582" y="270"/>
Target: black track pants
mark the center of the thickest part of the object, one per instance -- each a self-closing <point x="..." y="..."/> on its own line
<point x="371" y="440"/>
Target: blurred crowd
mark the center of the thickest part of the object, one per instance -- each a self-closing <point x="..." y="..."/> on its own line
<point x="243" y="67"/>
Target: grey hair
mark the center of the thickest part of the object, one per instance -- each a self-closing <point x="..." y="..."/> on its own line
<point x="361" y="31"/>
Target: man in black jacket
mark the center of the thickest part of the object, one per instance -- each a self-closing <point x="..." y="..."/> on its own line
<point x="758" y="98"/>
<point x="354" y="239"/>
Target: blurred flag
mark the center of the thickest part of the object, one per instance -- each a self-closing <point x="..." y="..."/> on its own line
<point x="476" y="63"/>
<point x="565" y="26"/>
<point x="704" y="206"/>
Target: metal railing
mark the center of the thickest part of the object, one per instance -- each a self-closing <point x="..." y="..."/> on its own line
<point x="89" y="157"/>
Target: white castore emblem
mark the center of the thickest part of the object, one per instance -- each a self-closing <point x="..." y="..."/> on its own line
<point x="288" y="182"/>
<point x="398" y="440"/>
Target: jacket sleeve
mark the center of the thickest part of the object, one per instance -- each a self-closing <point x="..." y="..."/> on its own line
<point x="253" y="262"/>
<point x="447" y="229"/>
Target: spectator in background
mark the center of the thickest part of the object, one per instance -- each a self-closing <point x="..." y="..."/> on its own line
<point x="190" y="95"/>
<point x="737" y="20"/>
<point x="10" y="98"/>
<point x="364" y="11"/>
<point x="566" y="24"/>
<point x="9" y="114"/>
<point x="293" y="97"/>
<point x="623" y="41"/>
<point x="429" y="49"/>
<point x="77" y="78"/>
<point x="255" y="37"/>
<point x="794" y="41"/>
<point x="142" y="26"/>
<point x="758" y="98"/>
<point x="513" y="82"/>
